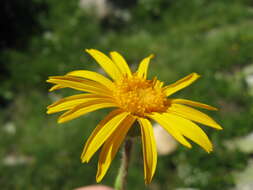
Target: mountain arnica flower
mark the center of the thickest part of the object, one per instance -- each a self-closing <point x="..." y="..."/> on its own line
<point x="135" y="99"/>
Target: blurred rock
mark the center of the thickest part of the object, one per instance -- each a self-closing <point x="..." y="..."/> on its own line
<point x="248" y="186"/>
<point x="244" y="179"/>
<point x="105" y="9"/>
<point x="235" y="77"/>
<point x="48" y="35"/>
<point x="164" y="141"/>
<point x="10" y="128"/>
<point x="190" y="175"/>
<point x="100" y="8"/>
<point x="244" y="144"/>
<point x="95" y="187"/>
<point x="124" y="15"/>
<point x="248" y="76"/>
<point x="14" y="160"/>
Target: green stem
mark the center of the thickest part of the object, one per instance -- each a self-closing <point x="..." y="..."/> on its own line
<point x="121" y="180"/>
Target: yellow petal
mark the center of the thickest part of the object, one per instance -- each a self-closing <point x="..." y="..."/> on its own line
<point x="72" y="101"/>
<point x="148" y="148"/>
<point x="56" y="87"/>
<point x="98" y="128"/>
<point x="84" y="108"/>
<point x="106" y="63"/>
<point x="193" y="103"/>
<point x="79" y="84"/>
<point x="180" y="84"/>
<point x="111" y="146"/>
<point x="93" y="76"/>
<point x="190" y="130"/>
<point x="193" y="114"/>
<point x="158" y="84"/>
<point x="166" y="124"/>
<point x="143" y="67"/>
<point x="102" y="135"/>
<point x="121" y="63"/>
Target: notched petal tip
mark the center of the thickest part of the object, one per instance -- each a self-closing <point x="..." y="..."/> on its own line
<point x="147" y="181"/>
<point x="84" y="160"/>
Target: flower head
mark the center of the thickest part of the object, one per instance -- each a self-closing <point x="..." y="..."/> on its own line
<point x="135" y="98"/>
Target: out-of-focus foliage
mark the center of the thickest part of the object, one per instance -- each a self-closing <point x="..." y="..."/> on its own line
<point x="42" y="38"/>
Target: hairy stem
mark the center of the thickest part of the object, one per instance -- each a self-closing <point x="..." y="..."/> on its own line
<point x="121" y="180"/>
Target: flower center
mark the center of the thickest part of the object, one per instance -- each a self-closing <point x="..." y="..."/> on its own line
<point x="140" y="96"/>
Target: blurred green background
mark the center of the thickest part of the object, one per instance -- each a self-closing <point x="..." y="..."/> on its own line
<point x="40" y="38"/>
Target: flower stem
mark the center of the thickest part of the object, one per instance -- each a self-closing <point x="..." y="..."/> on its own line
<point x="121" y="180"/>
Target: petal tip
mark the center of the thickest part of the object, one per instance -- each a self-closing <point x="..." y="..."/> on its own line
<point x="151" y="56"/>
<point x="48" y="112"/>
<point x="147" y="181"/>
<point x="209" y="148"/>
<point x="60" y="121"/>
<point x="98" y="178"/>
<point x="219" y="127"/>
<point x="196" y="75"/>
<point x="49" y="106"/>
<point x="84" y="158"/>
<point x="209" y="151"/>
<point x="113" y="52"/>
<point x="187" y="145"/>
<point x="90" y="50"/>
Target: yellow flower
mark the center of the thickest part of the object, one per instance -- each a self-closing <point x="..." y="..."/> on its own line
<point x="135" y="98"/>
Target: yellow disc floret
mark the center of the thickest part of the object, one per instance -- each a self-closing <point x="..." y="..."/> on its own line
<point x="140" y="96"/>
